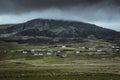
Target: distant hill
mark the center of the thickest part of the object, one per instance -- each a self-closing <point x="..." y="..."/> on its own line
<point x="50" y="31"/>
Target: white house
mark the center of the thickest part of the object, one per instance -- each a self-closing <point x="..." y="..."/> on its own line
<point x="58" y="51"/>
<point x="64" y="55"/>
<point x="117" y="50"/>
<point x="91" y="49"/>
<point x="63" y="46"/>
<point x="100" y="50"/>
<point x="115" y="47"/>
<point x="40" y="54"/>
<point x="77" y="52"/>
<point x="83" y="47"/>
<point x="49" y="53"/>
<point x="24" y="52"/>
<point x="35" y="54"/>
<point x="32" y="50"/>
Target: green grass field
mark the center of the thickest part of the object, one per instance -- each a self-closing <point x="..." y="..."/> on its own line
<point x="19" y="66"/>
<point x="76" y="70"/>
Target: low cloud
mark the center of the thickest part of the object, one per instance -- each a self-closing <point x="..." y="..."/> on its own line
<point x="104" y="13"/>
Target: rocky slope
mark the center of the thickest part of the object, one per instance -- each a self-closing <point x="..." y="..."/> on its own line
<point x="44" y="30"/>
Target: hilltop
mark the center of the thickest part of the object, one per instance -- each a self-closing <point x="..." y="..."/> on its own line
<point x="55" y="31"/>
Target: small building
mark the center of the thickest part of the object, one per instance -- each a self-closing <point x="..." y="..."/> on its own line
<point x="24" y="52"/>
<point x="115" y="47"/>
<point x="91" y="49"/>
<point x="35" y="54"/>
<point x="49" y="53"/>
<point x="83" y="47"/>
<point x="63" y="46"/>
<point x="40" y="54"/>
<point x="32" y="50"/>
<point x="58" y="51"/>
<point x="64" y="55"/>
<point x="77" y="52"/>
<point x="100" y="50"/>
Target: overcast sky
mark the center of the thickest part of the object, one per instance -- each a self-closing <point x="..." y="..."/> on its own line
<point x="105" y="13"/>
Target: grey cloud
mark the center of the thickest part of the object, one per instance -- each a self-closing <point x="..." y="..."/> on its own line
<point x="20" y="6"/>
<point x="100" y="12"/>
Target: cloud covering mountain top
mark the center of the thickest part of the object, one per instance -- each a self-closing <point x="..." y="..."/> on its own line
<point x="104" y="13"/>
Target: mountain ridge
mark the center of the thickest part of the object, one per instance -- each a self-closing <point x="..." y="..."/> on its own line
<point x="58" y="29"/>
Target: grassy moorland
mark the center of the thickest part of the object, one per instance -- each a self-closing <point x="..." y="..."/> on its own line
<point x="88" y="65"/>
